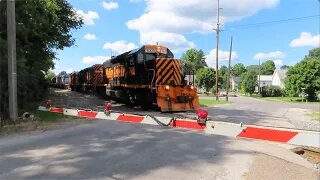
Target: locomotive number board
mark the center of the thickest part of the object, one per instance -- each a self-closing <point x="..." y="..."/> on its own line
<point x="155" y="49"/>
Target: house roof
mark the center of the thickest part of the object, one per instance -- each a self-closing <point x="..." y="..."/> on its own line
<point x="265" y="77"/>
<point x="281" y="73"/>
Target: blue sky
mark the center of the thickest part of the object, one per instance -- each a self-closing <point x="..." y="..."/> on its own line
<point x="112" y="27"/>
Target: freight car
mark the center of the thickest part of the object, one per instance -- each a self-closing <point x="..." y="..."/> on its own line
<point x="88" y="80"/>
<point x="144" y="76"/>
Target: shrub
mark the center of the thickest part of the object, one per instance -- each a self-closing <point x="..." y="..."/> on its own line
<point x="271" y="91"/>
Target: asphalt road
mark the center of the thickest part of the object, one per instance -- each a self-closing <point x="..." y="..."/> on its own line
<point x="114" y="150"/>
<point x="266" y="113"/>
<point x="244" y="109"/>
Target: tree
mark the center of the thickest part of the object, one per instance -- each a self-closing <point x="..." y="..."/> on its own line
<point x="42" y="27"/>
<point x="314" y="53"/>
<point x="223" y="75"/>
<point x="284" y="67"/>
<point x="249" y="81"/>
<point x="254" y="68"/>
<point x="49" y="75"/>
<point x="238" y="69"/>
<point x="193" y="60"/>
<point x="267" y="67"/>
<point x="305" y="74"/>
<point x="223" y="70"/>
<point x="206" y="78"/>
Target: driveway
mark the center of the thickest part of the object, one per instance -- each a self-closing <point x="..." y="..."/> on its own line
<point x="259" y="112"/>
<point x="105" y="149"/>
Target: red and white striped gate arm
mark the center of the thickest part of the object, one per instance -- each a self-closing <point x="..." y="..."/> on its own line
<point x="282" y="135"/>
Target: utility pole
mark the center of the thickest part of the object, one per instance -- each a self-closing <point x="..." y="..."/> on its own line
<point x="259" y="79"/>
<point x="12" y="66"/>
<point x="217" y="50"/>
<point x="229" y="67"/>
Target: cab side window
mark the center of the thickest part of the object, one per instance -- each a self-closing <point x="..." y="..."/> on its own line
<point x="140" y="58"/>
<point x="131" y="61"/>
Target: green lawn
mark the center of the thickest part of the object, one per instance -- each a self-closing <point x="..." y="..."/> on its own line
<point x="284" y="99"/>
<point x="212" y="102"/>
<point x="315" y="115"/>
<point x="205" y="95"/>
<point x="43" y="120"/>
<point x="45" y="116"/>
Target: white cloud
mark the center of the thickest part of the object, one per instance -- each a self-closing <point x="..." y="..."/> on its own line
<point x="278" y="62"/>
<point x="110" y="5"/>
<point x="57" y="69"/>
<point x="168" y="22"/>
<point x="306" y="39"/>
<point x="269" y="56"/>
<point x="174" y="42"/>
<point x="119" y="46"/>
<point x="178" y="17"/>
<point x="223" y="56"/>
<point x="186" y="16"/>
<point x="90" y="36"/>
<point x="94" y="59"/>
<point x="89" y="17"/>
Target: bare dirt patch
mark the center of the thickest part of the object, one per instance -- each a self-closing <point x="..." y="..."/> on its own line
<point x="311" y="154"/>
<point x="269" y="167"/>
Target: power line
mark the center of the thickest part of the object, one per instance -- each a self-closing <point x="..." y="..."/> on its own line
<point x="253" y="25"/>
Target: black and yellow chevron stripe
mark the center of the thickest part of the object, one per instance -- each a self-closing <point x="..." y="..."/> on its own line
<point x="97" y="75"/>
<point x="168" y="71"/>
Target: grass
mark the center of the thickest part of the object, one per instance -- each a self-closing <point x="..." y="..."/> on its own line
<point x="315" y="115"/>
<point x="43" y="120"/>
<point x="211" y="102"/>
<point x="285" y="99"/>
<point x="205" y="95"/>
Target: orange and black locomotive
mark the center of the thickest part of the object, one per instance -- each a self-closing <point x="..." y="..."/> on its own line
<point x="144" y="76"/>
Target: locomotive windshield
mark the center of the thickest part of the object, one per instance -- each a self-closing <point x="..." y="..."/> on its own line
<point x="150" y="57"/>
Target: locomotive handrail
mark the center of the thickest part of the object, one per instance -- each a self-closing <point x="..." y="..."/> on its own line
<point x="153" y="77"/>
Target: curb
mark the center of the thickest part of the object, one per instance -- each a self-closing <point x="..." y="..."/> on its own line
<point x="282" y="135"/>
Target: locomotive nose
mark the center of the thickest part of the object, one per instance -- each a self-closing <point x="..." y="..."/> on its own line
<point x="177" y="98"/>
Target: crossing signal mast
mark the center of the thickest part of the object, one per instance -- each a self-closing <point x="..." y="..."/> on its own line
<point x="217" y="49"/>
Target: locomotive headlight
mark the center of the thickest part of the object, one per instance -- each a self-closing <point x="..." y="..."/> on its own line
<point x="167" y="87"/>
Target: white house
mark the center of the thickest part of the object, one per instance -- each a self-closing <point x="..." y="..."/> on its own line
<point x="189" y="79"/>
<point x="234" y="82"/>
<point x="265" y="80"/>
<point x="278" y="77"/>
